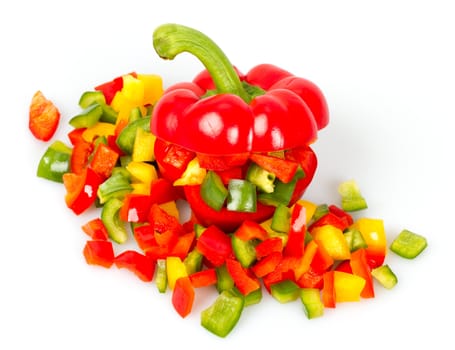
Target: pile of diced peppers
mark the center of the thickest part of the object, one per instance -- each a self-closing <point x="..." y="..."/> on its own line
<point x="316" y="253"/>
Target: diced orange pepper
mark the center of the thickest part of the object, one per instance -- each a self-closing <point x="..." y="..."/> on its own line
<point x="203" y="278"/>
<point x="251" y="230"/>
<point x="244" y="280"/>
<point x="360" y="267"/>
<point x="183" y="296"/>
<point x="374" y="234"/>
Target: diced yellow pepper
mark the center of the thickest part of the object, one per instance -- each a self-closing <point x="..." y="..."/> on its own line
<point x="333" y="240"/>
<point x="153" y="88"/>
<point x="140" y="188"/>
<point x="143" y="149"/>
<point x="175" y="268"/>
<point x="133" y="90"/>
<point x="347" y="286"/>
<point x="374" y="235"/>
<point x="142" y="172"/>
<point x="99" y="129"/>
<point x="310" y="208"/>
<point x="193" y="174"/>
<point x="170" y="208"/>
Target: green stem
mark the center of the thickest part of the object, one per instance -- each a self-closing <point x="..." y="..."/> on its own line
<point x="169" y="40"/>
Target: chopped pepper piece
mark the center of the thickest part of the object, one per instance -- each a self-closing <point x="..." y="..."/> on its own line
<point x="55" y="162"/>
<point x="408" y="244"/>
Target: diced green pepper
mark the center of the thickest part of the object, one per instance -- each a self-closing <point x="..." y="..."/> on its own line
<point x="312" y="302"/>
<point x="198" y="229"/>
<point x="89" y="98"/>
<point x="88" y="117"/>
<point x="224" y="280"/>
<point x="213" y="191"/>
<point x="193" y="261"/>
<point x="55" y="162"/>
<point x="222" y="316"/>
<point x="125" y="140"/>
<point x="251" y="298"/>
<point x="281" y="219"/>
<point x="116" y="186"/>
<point x="244" y="251"/>
<point x="321" y="210"/>
<point x="161" y="275"/>
<point x="242" y="196"/>
<point x="115" y="227"/>
<point x="355" y="239"/>
<point x="351" y="198"/>
<point x="263" y="179"/>
<point x="282" y="193"/>
<point x="385" y="276"/>
<point x="285" y="291"/>
<point x="408" y="244"/>
<point x="135" y="114"/>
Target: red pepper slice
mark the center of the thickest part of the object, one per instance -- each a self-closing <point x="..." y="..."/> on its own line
<point x="172" y="159"/>
<point x="328" y="290"/>
<point x="282" y="168"/>
<point x="296" y="236"/>
<point x="244" y="280"/>
<point x="104" y="160"/>
<point x="360" y="267"/>
<point x="203" y="278"/>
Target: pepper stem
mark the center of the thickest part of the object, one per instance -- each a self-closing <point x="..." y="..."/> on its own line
<point x="169" y="40"/>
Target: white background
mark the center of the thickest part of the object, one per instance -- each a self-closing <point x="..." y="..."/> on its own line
<point x="387" y="69"/>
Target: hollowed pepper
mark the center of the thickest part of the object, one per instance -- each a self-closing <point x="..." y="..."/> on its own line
<point x="224" y="118"/>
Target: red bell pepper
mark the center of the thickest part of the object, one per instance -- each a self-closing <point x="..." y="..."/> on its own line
<point x="44" y="117"/>
<point x="328" y="290"/>
<point x="99" y="253"/>
<point x="171" y="159"/>
<point x="141" y="265"/>
<point x="282" y="168"/>
<point x="267" y="264"/>
<point x="231" y="121"/>
<point x="226" y="220"/>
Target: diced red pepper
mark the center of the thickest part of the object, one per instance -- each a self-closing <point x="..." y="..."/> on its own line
<point x="172" y="159"/>
<point x="183" y="296"/>
<point x="144" y="236"/>
<point x="104" y="160"/>
<point x="141" y="265"/>
<point x="267" y="264"/>
<point x="136" y="208"/>
<point x="229" y="174"/>
<point x="203" y="278"/>
<point x="296" y="235"/>
<point x="99" y="253"/>
<point x="162" y="221"/>
<point x="328" y="290"/>
<point x="251" y="230"/>
<point x="183" y="245"/>
<point x="80" y="155"/>
<point x="344" y="266"/>
<point x="269" y="246"/>
<point x="162" y="191"/>
<point x="110" y="88"/>
<point x="95" y="229"/>
<point x="311" y="279"/>
<point x="345" y="216"/>
<point x="284" y="270"/>
<point x="244" y="280"/>
<point x="283" y="169"/>
<point x="81" y="189"/>
<point x="215" y="245"/>
<point x="360" y="267"/>
<point x="330" y="219"/>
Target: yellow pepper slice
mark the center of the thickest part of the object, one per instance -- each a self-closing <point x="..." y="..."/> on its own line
<point x="99" y="129"/>
<point x="153" y="88"/>
<point x="193" y="174"/>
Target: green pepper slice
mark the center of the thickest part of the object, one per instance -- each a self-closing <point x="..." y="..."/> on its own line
<point x="242" y="196"/>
